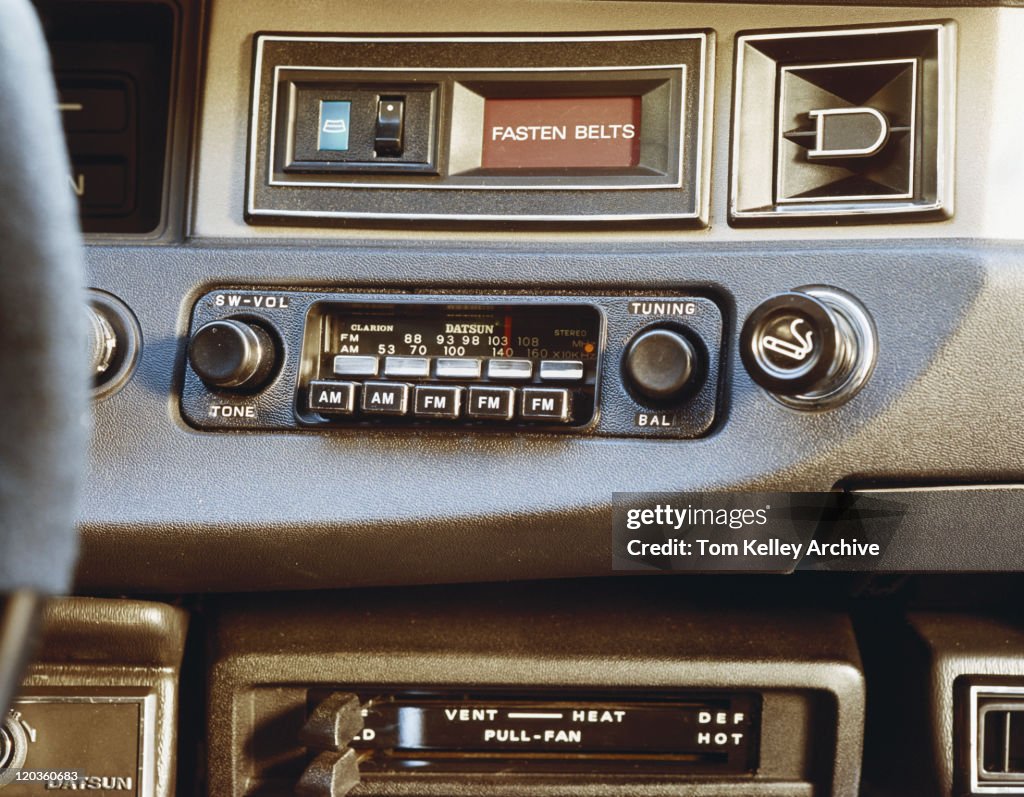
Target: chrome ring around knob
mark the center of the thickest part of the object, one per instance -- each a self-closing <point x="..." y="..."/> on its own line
<point x="102" y="343"/>
<point x="114" y="343"/>
<point x="811" y="348"/>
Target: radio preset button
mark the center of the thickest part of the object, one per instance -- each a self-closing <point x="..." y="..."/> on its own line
<point x="561" y="370"/>
<point x="407" y="367"/>
<point x="332" y="397"/>
<point x="509" y="369"/>
<point x="493" y="403"/>
<point x="385" y="398"/>
<point x="437" y="402"/>
<point x="458" y="368"/>
<point x="545" y="403"/>
<point x="356" y="365"/>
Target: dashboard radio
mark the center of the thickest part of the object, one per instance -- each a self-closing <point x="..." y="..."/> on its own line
<point x="478" y="362"/>
<point x="612" y="365"/>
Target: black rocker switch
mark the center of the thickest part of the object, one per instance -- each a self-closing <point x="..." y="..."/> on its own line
<point x="390" y="129"/>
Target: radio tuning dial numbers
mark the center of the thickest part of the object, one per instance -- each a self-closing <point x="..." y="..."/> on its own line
<point x="660" y="366"/>
<point x="233" y="355"/>
<point x="810" y="348"/>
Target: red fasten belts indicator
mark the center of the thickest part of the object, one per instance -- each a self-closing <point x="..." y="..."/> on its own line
<point x="561" y="133"/>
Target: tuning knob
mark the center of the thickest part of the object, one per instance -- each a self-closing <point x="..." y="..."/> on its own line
<point x="232" y="355"/>
<point x="660" y="365"/>
<point x="810" y="348"/>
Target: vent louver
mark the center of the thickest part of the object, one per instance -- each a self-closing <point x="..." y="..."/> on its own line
<point x="860" y="123"/>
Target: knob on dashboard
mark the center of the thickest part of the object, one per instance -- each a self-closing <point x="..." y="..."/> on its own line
<point x="811" y="348"/>
<point x="232" y="354"/>
<point x="102" y="341"/>
<point x="660" y="365"/>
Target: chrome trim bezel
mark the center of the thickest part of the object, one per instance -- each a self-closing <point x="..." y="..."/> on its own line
<point x="975" y="692"/>
<point x="864" y="351"/>
<point x="701" y="190"/>
<point x="945" y="32"/>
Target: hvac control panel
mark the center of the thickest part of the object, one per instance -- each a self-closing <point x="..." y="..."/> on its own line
<point x="395" y="733"/>
<point x="697" y="735"/>
<point x="612" y="365"/>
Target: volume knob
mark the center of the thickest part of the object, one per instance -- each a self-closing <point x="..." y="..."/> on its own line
<point x="232" y="355"/>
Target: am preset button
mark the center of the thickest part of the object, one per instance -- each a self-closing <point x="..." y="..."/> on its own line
<point x="385" y="398"/>
<point x="332" y="397"/>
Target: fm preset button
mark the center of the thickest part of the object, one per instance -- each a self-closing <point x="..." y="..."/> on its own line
<point x="232" y="355"/>
<point x="491" y="403"/>
<point x="660" y="365"/>
<point x="810" y="348"/>
<point x="437" y="401"/>
<point x="545" y="404"/>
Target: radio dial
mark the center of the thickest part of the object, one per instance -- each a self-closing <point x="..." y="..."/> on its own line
<point x="660" y="365"/>
<point x="233" y="355"/>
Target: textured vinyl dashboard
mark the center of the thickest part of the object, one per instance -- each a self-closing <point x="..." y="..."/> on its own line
<point x="170" y="508"/>
<point x="236" y="510"/>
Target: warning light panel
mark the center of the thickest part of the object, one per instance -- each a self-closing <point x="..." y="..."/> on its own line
<point x="561" y="133"/>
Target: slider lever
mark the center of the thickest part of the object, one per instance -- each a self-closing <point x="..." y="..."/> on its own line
<point x="333" y="724"/>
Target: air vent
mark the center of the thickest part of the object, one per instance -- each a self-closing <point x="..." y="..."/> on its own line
<point x="996" y="758"/>
<point x="1001" y="746"/>
<point x="113" y="63"/>
<point x="860" y="122"/>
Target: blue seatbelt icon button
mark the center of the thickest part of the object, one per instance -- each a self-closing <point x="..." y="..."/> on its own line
<point x="334" y="122"/>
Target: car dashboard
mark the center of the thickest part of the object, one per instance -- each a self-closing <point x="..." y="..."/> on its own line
<point x="399" y="310"/>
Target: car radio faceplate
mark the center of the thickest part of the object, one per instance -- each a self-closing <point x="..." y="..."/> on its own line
<point x="612" y="365"/>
